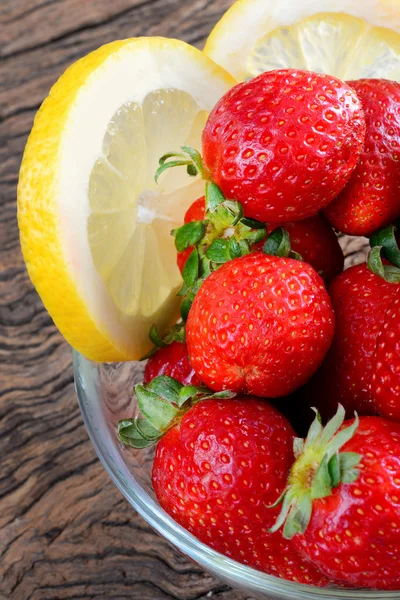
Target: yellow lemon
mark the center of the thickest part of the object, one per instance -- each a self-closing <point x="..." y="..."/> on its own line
<point x="95" y="228"/>
<point x="351" y="39"/>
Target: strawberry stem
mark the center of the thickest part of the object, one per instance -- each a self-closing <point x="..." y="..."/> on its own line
<point x="189" y="158"/>
<point x="318" y="469"/>
<point x="162" y="402"/>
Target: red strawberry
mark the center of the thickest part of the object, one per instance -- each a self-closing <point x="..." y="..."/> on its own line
<point x="345" y="507"/>
<point x="259" y="324"/>
<point x="315" y="240"/>
<point x="172" y="361"/>
<point x="385" y="380"/>
<point x="285" y="143"/>
<point x="361" y="301"/>
<point x="219" y="464"/>
<point x="371" y="199"/>
<point x="317" y="243"/>
<point x="217" y="472"/>
<point x="312" y="238"/>
<point x="195" y="212"/>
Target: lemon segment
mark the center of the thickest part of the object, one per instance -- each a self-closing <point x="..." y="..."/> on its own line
<point x="344" y="38"/>
<point x="337" y="44"/>
<point x="95" y="228"/>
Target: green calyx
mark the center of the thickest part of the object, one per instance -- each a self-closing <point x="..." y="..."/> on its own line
<point x="224" y="234"/>
<point x="384" y="245"/>
<point x="386" y="238"/>
<point x="278" y="244"/>
<point x="162" y="402"/>
<point x="176" y="333"/>
<point x="318" y="469"/>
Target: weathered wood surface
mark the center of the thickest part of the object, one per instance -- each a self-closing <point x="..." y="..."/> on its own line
<point x="65" y="530"/>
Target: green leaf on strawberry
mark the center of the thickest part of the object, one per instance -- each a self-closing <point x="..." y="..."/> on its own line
<point x="189" y="234"/>
<point x="319" y="467"/>
<point x="389" y="273"/>
<point x="278" y="244"/>
<point x="214" y="197"/>
<point x="162" y="403"/>
<point x="174" y="334"/>
<point x="386" y="238"/>
<point x="190" y="273"/>
<point x="218" y="251"/>
<point x="223" y="235"/>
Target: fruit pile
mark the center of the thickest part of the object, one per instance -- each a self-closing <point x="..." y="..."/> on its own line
<point x="270" y="324"/>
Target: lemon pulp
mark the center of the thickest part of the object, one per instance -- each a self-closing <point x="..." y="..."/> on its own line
<point x="338" y="44"/>
<point x="347" y="38"/>
<point x="131" y="218"/>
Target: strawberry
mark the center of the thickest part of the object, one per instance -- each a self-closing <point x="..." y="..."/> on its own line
<point x="172" y="360"/>
<point x="217" y="469"/>
<point x="341" y="507"/>
<point x="284" y="144"/>
<point x="385" y="380"/>
<point x="315" y="241"/>
<point x="362" y="347"/>
<point x="312" y="238"/>
<point x="260" y="325"/>
<point x="195" y="212"/>
<point x="371" y="199"/>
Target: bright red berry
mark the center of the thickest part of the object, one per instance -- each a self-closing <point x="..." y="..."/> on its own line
<point x="353" y="535"/>
<point x="195" y="212"/>
<point x="363" y="303"/>
<point x="172" y="361"/>
<point x="260" y="325"/>
<point x="216" y="473"/>
<point x="385" y="380"/>
<point x="285" y="143"/>
<point x="371" y="199"/>
<point x="315" y="240"/>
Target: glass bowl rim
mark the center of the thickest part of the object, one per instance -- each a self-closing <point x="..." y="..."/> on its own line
<point x="199" y="552"/>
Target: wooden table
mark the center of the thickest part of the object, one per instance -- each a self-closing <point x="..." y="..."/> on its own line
<point x="65" y="530"/>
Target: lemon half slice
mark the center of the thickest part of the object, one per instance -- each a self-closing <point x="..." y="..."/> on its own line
<point x="350" y="39"/>
<point x="95" y="228"/>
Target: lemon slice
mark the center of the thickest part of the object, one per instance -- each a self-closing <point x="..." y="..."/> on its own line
<point x="350" y="39"/>
<point x="95" y="228"/>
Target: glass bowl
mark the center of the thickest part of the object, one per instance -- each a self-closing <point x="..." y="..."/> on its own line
<point x="105" y="396"/>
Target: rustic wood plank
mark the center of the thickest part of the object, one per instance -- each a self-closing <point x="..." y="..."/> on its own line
<point x="65" y="530"/>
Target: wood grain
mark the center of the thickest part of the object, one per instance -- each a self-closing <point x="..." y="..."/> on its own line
<point x="65" y="530"/>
